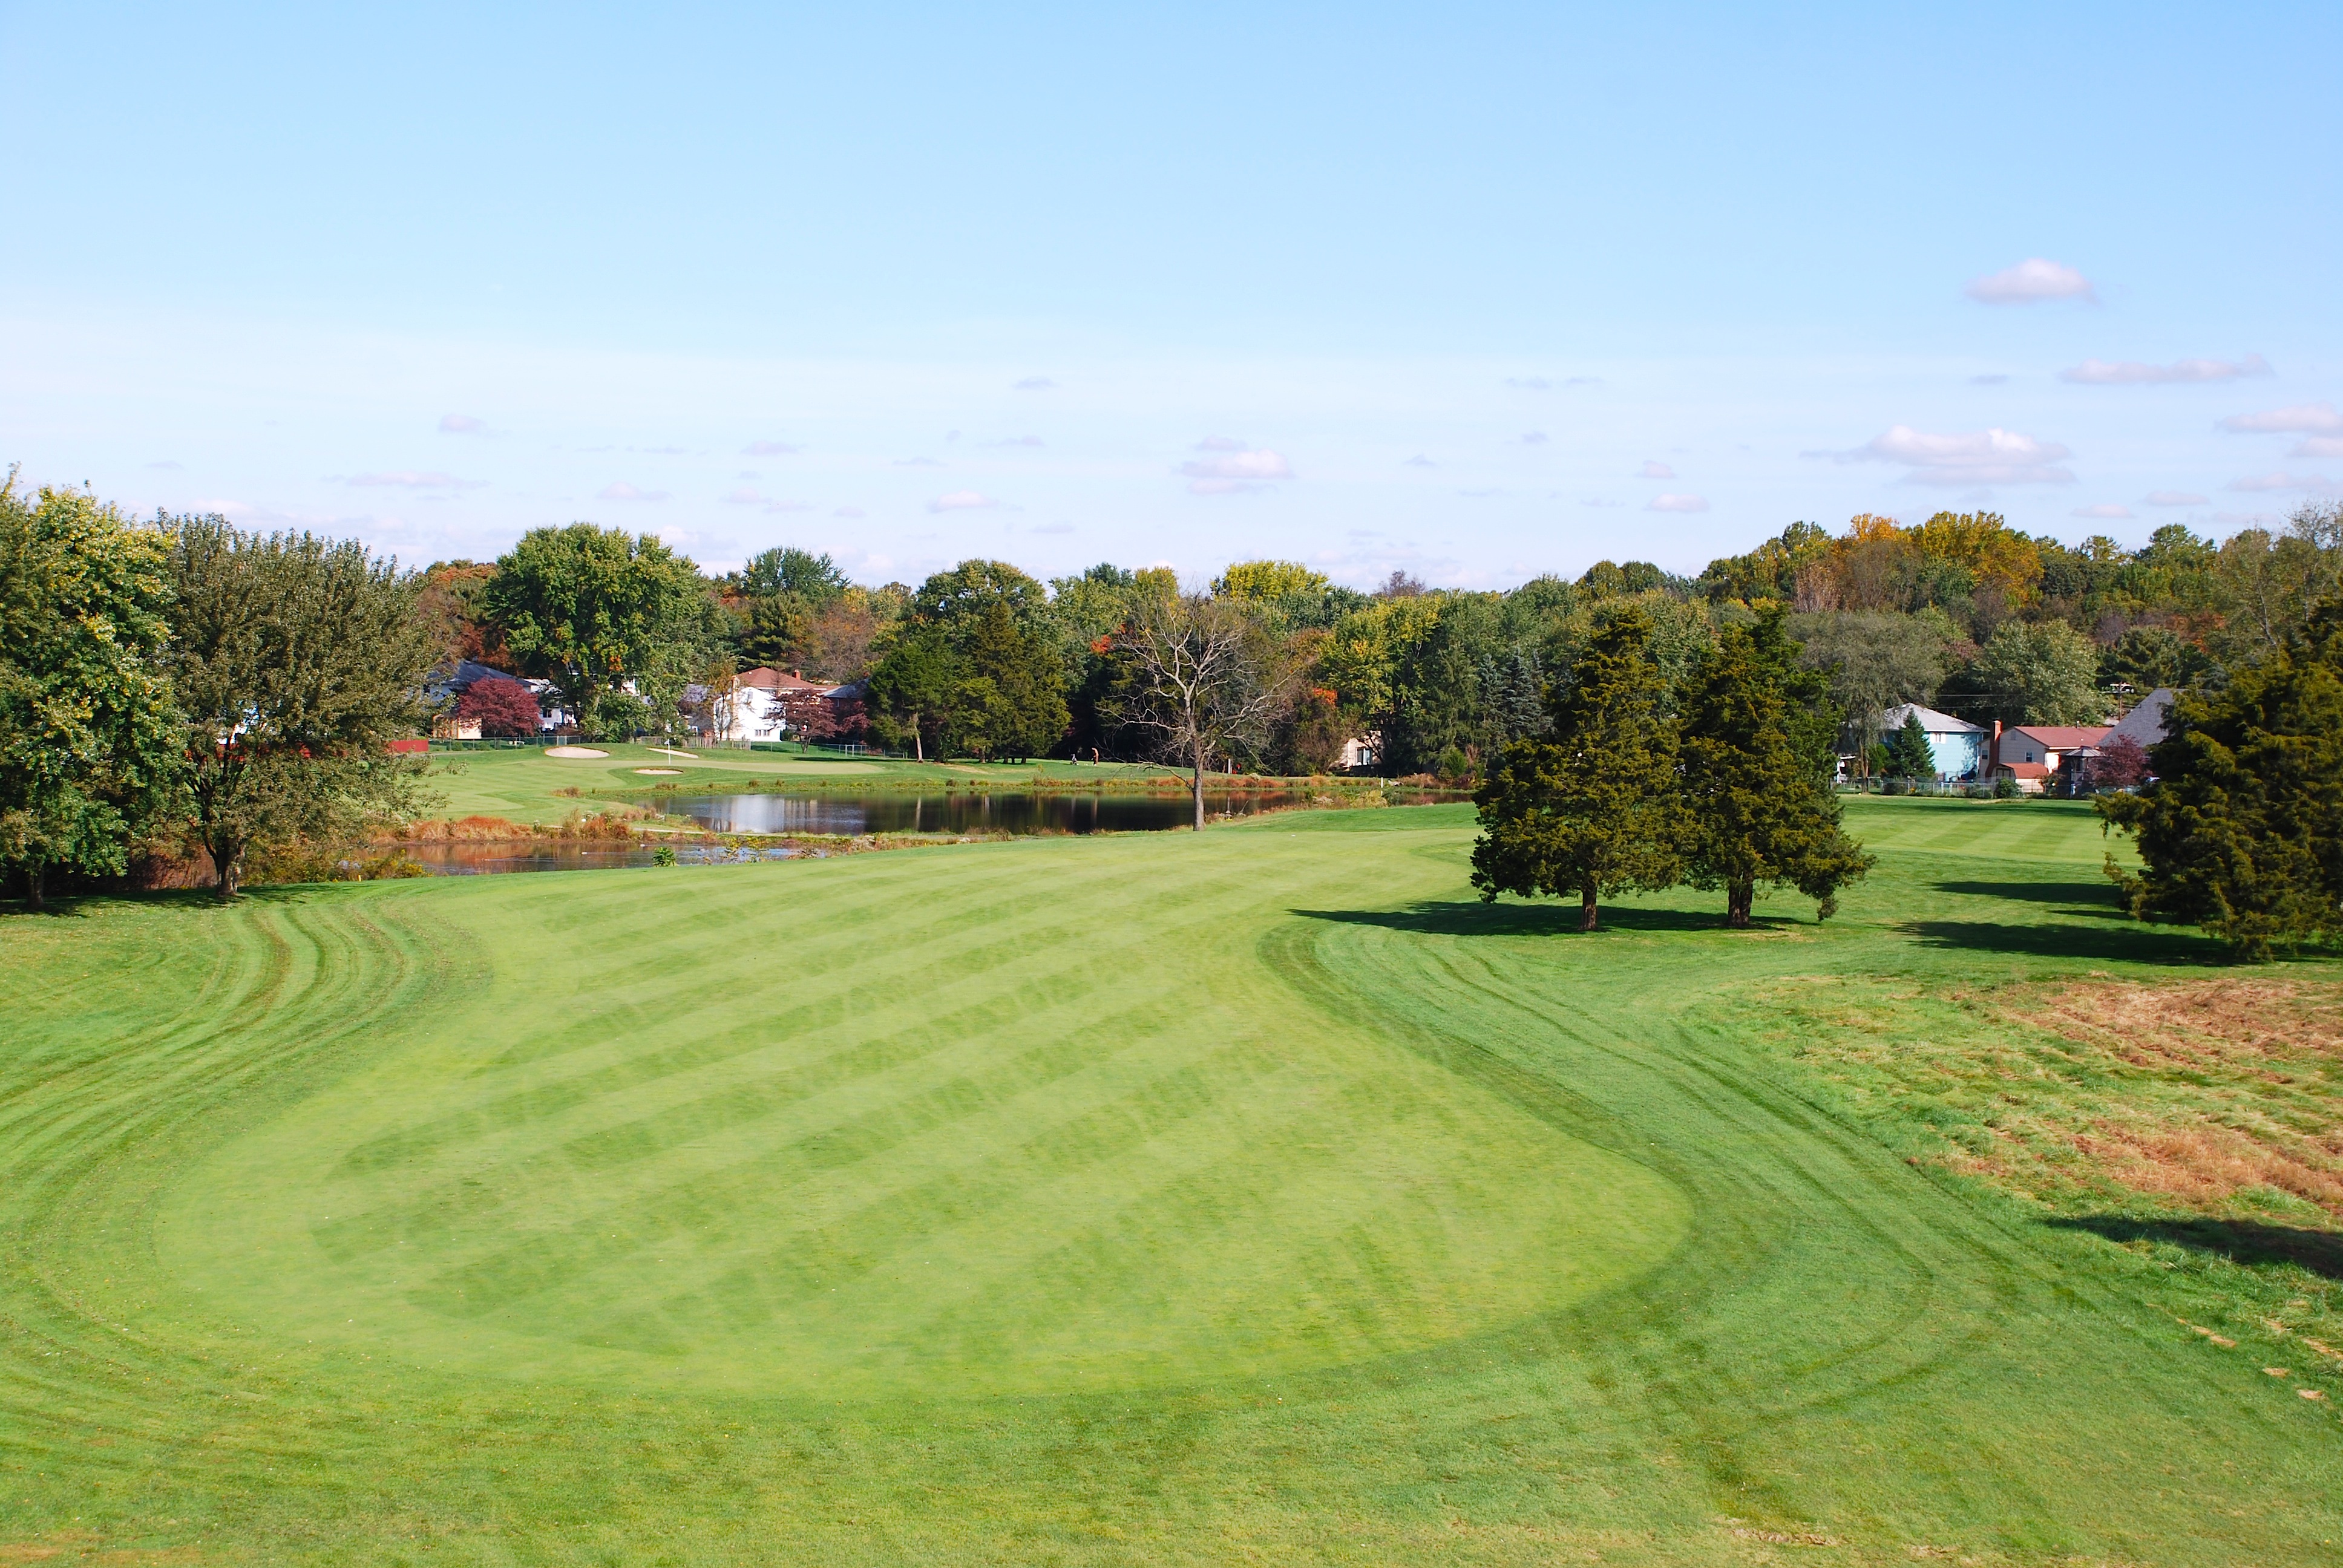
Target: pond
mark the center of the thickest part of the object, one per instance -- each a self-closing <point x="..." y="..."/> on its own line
<point x="845" y="816"/>
<point x="963" y="811"/>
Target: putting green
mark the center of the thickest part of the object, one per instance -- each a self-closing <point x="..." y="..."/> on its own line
<point x="1105" y="1153"/>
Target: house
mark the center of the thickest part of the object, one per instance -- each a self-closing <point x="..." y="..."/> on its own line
<point x="1957" y="746"/>
<point x="2051" y="744"/>
<point x="2144" y="725"/>
<point x="1361" y="752"/>
<point x="758" y="706"/>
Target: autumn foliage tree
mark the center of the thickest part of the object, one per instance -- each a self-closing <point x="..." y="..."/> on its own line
<point x="501" y="706"/>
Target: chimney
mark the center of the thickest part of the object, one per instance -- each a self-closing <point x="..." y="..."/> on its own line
<point x="1993" y="755"/>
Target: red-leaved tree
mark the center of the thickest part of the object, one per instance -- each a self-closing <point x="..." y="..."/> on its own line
<point x="504" y="708"/>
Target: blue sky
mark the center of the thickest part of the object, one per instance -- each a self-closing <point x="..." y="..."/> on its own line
<point x="1474" y="291"/>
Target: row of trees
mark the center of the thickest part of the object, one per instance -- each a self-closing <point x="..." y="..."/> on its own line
<point x="1959" y="612"/>
<point x="1633" y="782"/>
<point x="184" y="681"/>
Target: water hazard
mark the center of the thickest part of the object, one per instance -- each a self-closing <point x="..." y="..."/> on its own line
<point x="962" y="812"/>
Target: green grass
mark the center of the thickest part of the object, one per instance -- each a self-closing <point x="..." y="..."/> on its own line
<point x="1255" y="1196"/>
<point x="523" y="785"/>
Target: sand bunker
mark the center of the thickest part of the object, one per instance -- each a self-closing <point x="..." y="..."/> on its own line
<point x="671" y="772"/>
<point x="573" y="751"/>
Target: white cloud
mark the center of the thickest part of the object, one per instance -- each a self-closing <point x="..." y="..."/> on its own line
<point x="1994" y="456"/>
<point x="2173" y="499"/>
<point x="1233" y="467"/>
<point x="2310" y="484"/>
<point x="746" y="495"/>
<point x="1052" y="529"/>
<point x="1581" y="381"/>
<point x="791" y="507"/>
<point x="1676" y="504"/>
<point x="768" y="450"/>
<point x="619" y="491"/>
<point x="2317" y="447"/>
<point x="2104" y="510"/>
<point x="2302" y="419"/>
<point x="1035" y="383"/>
<point x="961" y="501"/>
<point x="2030" y="280"/>
<point x="1533" y="438"/>
<point x="1529" y="383"/>
<point x="462" y="424"/>
<point x="2131" y="372"/>
<point x="1995" y="380"/>
<point x="168" y="463"/>
<point x="847" y="512"/>
<point x="1419" y="461"/>
<point x="1656" y="469"/>
<point x="1592" y="502"/>
<point x="409" y="479"/>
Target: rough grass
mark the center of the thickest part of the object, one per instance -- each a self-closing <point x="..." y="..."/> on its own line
<point x="1255" y="1196"/>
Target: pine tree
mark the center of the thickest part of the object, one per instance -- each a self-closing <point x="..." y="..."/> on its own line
<point x="1909" y="754"/>
<point x="2242" y="831"/>
<point x="1592" y="808"/>
<point x="1760" y="815"/>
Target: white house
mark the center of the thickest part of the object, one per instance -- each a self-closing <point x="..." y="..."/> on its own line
<point x="757" y="707"/>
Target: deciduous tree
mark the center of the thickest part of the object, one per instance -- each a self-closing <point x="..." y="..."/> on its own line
<point x="296" y="661"/>
<point x="88" y="739"/>
<point x="502" y="706"/>
<point x="1202" y="677"/>
<point x="587" y="608"/>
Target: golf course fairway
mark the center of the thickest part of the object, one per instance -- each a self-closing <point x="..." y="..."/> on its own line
<point x="1256" y="1196"/>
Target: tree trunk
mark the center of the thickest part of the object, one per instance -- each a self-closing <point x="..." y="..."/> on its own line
<point x="228" y="867"/>
<point x="36" y="874"/>
<point x="1199" y="784"/>
<point x="919" y="747"/>
<point x="1586" y="906"/>
<point x="1738" y="898"/>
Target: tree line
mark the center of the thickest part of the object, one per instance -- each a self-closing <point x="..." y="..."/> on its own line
<point x="179" y="670"/>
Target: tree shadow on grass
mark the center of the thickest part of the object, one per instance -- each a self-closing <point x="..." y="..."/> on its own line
<point x="2128" y="943"/>
<point x="2091" y="900"/>
<point x="1471" y="918"/>
<point x="2246" y="1242"/>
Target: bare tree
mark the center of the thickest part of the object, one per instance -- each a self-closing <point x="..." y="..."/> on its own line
<point x="1202" y="676"/>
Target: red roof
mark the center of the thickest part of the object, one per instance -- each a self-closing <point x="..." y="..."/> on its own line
<point x="765" y="680"/>
<point x="2062" y="736"/>
<point x="2025" y="770"/>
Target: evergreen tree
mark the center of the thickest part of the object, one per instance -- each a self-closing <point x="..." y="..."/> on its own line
<point x="1760" y="815"/>
<point x="1592" y="808"/>
<point x="2242" y="831"/>
<point x="1014" y="700"/>
<point x="1909" y="754"/>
